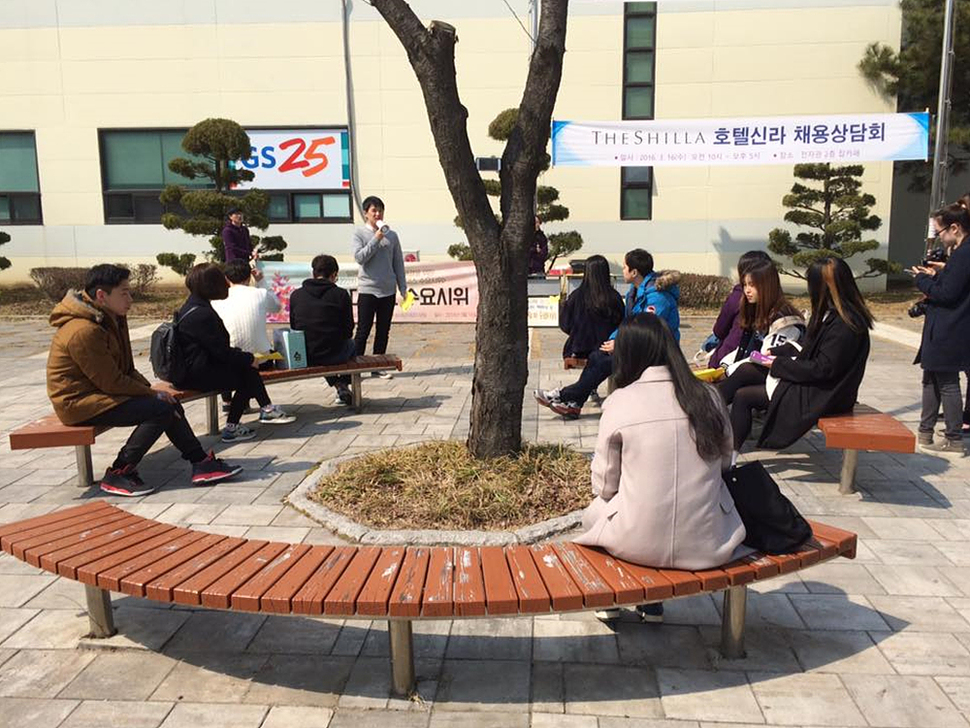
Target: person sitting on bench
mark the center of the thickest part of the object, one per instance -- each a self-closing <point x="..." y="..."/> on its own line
<point x="592" y="312"/>
<point x="92" y="380"/>
<point x="663" y="440"/>
<point x="323" y="311"/>
<point x="649" y="292"/>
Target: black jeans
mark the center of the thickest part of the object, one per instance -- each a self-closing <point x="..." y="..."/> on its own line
<point x="369" y="306"/>
<point x="745" y="391"/>
<point x="343" y="354"/>
<point x="152" y="416"/>
<point x="251" y="386"/>
<point x="599" y="367"/>
<point x="942" y="388"/>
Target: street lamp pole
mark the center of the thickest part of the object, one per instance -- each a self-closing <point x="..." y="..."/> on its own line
<point x="938" y="186"/>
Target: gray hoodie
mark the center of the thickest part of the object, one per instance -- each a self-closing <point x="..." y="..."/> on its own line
<point x="381" y="263"/>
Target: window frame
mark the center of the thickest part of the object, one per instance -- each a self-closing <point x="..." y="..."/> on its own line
<point x="629" y="11"/>
<point x="13" y="194"/>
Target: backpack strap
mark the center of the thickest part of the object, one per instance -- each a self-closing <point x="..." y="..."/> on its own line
<point x="178" y="320"/>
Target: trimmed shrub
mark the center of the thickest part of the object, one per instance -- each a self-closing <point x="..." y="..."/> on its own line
<point x="56" y="282"/>
<point x="703" y="291"/>
<point x="143" y="278"/>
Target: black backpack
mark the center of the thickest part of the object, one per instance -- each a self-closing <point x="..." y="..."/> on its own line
<point x="166" y="354"/>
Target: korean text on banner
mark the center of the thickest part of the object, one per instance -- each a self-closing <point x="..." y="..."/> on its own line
<point x="298" y="159"/>
<point x="846" y="138"/>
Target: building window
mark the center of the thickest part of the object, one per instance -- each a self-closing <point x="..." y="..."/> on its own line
<point x="639" y="76"/>
<point x="19" y="186"/>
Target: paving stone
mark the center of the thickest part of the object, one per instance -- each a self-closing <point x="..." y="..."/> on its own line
<point x="852" y="612"/>
<point x="957" y="689"/>
<point x="300" y="680"/>
<point x="51" y="629"/>
<point x="368" y="686"/>
<point x="840" y="652"/>
<point x="215" y="632"/>
<point x="555" y="720"/>
<point x="920" y="581"/>
<point x="140" y="629"/>
<point x="190" y="513"/>
<point x="611" y="690"/>
<point x="702" y="695"/>
<point x="117" y="714"/>
<point x="212" y="715"/>
<point x="490" y="639"/>
<point x="243" y="515"/>
<point x="548" y="690"/>
<point x="838" y="577"/>
<point x="572" y="641"/>
<point x="484" y="685"/>
<point x="210" y="679"/>
<point x="810" y="699"/>
<point x="665" y="645"/>
<point x="33" y="713"/>
<point x="925" y="653"/>
<point x="922" y="614"/>
<point x="353" y="718"/>
<point x="131" y="674"/>
<point x="766" y="649"/>
<point x="296" y="635"/>
<point x="285" y="716"/>
<point x="60" y="594"/>
<point x="899" y="701"/>
<point x="40" y="673"/>
<point x="17" y="589"/>
<point x="692" y="611"/>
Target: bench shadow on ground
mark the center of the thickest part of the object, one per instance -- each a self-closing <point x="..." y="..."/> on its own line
<point x="507" y="661"/>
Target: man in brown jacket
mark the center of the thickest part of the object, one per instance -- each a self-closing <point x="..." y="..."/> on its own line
<point x="92" y="380"/>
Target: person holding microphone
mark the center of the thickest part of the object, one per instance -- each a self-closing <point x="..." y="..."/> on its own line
<point x="943" y="352"/>
<point x="377" y="251"/>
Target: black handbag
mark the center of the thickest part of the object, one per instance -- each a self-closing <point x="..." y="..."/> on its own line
<point x="772" y="523"/>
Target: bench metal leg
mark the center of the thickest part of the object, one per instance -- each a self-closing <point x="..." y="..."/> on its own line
<point x="850" y="460"/>
<point x="355" y="390"/>
<point x="402" y="656"/>
<point x="85" y="469"/>
<point x="212" y="414"/>
<point x="99" y="611"/>
<point x="732" y="622"/>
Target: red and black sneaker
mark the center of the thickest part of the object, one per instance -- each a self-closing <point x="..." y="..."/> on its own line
<point x="125" y="482"/>
<point x="213" y="470"/>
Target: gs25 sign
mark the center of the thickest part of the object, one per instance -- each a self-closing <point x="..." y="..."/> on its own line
<point x="298" y="159"/>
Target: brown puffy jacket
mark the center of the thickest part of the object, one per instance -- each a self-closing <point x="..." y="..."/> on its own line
<point x="90" y="368"/>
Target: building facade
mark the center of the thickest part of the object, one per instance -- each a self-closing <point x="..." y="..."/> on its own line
<point x="95" y="95"/>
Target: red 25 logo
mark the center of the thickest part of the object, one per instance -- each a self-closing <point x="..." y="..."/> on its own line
<point x="309" y="153"/>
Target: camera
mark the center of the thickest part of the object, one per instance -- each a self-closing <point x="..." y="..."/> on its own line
<point x="936" y="255"/>
<point x="917" y="309"/>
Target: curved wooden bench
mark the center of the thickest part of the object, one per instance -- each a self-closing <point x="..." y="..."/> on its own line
<point x="865" y="428"/>
<point x="108" y="549"/>
<point x="51" y="432"/>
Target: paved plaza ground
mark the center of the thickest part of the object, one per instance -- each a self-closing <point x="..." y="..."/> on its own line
<point x="880" y="641"/>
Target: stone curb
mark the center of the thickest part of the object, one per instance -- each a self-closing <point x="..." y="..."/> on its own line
<point x="353" y="531"/>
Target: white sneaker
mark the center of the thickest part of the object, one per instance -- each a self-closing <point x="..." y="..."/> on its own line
<point x="237" y="433"/>
<point x="607" y="615"/>
<point x="382" y="374"/>
<point x="274" y="415"/>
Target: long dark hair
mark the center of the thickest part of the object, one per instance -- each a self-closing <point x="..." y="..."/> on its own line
<point x="645" y="341"/>
<point x="597" y="290"/>
<point x="771" y="301"/>
<point x="832" y="287"/>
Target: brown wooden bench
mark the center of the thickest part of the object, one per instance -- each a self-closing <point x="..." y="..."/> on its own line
<point x="50" y="432"/>
<point x="110" y="550"/>
<point x="864" y="428"/>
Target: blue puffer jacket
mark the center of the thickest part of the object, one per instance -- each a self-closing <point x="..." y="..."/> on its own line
<point x="658" y="294"/>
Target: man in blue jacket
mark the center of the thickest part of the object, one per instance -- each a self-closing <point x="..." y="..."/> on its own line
<point x="649" y="292"/>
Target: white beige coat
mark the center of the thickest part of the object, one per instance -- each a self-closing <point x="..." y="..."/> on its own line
<point x="657" y="502"/>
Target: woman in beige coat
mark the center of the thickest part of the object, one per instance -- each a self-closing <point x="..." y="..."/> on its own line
<point x="663" y="441"/>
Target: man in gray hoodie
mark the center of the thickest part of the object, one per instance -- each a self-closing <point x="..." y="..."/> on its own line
<point x="377" y="251"/>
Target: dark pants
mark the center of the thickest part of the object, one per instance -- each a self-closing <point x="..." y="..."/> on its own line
<point x="369" y="307"/>
<point x="599" y="367"/>
<point x="151" y="416"/>
<point x="745" y="392"/>
<point x="942" y="388"/>
<point x="966" y="404"/>
<point x="251" y="386"/>
<point x="343" y="354"/>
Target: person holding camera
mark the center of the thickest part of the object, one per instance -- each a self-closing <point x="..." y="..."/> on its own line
<point x="377" y="251"/>
<point x="943" y="352"/>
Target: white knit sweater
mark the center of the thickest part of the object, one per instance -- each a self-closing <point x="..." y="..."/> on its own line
<point x="244" y="314"/>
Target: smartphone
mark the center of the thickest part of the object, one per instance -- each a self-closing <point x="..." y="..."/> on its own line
<point x="758" y="358"/>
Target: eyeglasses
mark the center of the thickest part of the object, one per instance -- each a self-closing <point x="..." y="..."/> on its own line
<point x="939" y="231"/>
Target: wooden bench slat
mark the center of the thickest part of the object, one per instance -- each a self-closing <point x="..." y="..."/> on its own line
<point x="163" y="588"/>
<point x="845" y="540"/>
<point x="827" y="549"/>
<point x="867" y="429"/>
<point x="469" y="583"/>
<point x="563" y="592"/>
<point x="49" y="431"/>
<point x="69" y="567"/>
<point x="189" y="591"/>
<point x="437" y="600"/>
<point x="596" y="592"/>
<point x="764" y="568"/>
<point x="83" y="546"/>
<point x="81" y="533"/>
<point x="136" y="582"/>
<point x="246" y="597"/>
<point x="740" y="572"/>
<point x="374" y="596"/>
<point x="277" y="598"/>
<point x="626" y="588"/>
<point x="684" y="582"/>
<point x="405" y="599"/>
<point x="500" y="594"/>
<point x="806" y="555"/>
<point x="309" y="599"/>
<point x="110" y="578"/>
<point x="88" y="573"/>
<point x="47" y="519"/>
<point x="713" y="579"/>
<point x="218" y="595"/>
<point x="655" y="585"/>
<point x="532" y="593"/>
<point x="41" y="531"/>
<point x="342" y="599"/>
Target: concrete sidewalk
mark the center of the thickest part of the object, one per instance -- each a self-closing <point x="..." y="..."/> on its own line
<point x="883" y="640"/>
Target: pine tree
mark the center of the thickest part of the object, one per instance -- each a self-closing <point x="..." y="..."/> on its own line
<point x="833" y="207"/>
<point x="215" y="146"/>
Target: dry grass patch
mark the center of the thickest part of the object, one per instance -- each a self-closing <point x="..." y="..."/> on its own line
<point x="439" y="485"/>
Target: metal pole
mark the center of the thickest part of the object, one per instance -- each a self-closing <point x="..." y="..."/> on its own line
<point x="850" y="460"/>
<point x="732" y="622"/>
<point x="938" y="186"/>
<point x="100" y="616"/>
<point x="402" y="656"/>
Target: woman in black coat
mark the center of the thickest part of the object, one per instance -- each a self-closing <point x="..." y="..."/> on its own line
<point x="943" y="351"/>
<point x="211" y="364"/>
<point x="824" y="377"/>
<point x="593" y="311"/>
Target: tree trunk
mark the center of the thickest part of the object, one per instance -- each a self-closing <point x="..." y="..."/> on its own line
<point x="501" y="252"/>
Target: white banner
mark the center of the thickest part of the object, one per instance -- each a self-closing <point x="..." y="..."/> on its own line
<point x="845" y="138"/>
<point x="298" y="159"/>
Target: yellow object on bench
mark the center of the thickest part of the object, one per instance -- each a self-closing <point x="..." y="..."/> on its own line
<point x="710" y="375"/>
